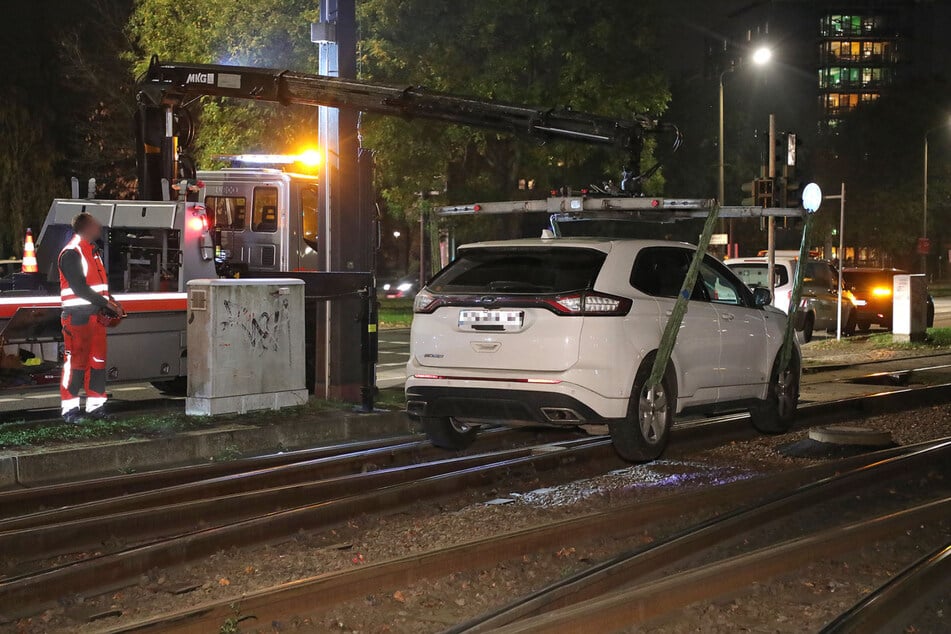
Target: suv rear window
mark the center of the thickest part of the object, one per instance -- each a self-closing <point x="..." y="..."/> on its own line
<point x="754" y="274"/>
<point x="520" y="270"/>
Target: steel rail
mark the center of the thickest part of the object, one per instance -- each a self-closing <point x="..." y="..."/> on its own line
<point x="888" y="608"/>
<point x="60" y="581"/>
<point x="136" y="521"/>
<point x="26" y="500"/>
<point x="27" y="594"/>
<point x="633" y="566"/>
<point x="624" y="608"/>
<point x="323" y="591"/>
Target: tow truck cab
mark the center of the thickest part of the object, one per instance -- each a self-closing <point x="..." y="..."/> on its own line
<point x="263" y="219"/>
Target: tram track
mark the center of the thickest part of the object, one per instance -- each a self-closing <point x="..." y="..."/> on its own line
<point x="324" y="591"/>
<point x="271" y="513"/>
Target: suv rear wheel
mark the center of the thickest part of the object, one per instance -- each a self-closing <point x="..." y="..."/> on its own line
<point x="644" y="433"/>
<point x="775" y="414"/>
<point x="446" y="432"/>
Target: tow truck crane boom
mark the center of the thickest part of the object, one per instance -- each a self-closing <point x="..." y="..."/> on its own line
<point x="168" y="85"/>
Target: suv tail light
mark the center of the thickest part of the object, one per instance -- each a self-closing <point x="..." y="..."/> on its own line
<point x="590" y="304"/>
<point x="425" y="302"/>
<point x="571" y="304"/>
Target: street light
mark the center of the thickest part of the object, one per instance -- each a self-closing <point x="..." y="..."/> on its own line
<point x="761" y="57"/>
<point x="924" y="198"/>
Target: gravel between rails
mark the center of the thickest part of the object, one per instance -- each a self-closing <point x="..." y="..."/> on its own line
<point x="431" y="605"/>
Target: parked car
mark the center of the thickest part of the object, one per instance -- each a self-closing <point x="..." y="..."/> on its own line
<point x="397" y="289"/>
<point x="818" y="310"/>
<point x="564" y="331"/>
<point x="872" y="289"/>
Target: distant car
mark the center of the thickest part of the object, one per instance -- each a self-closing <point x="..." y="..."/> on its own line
<point x="398" y="289"/>
<point x="818" y="310"/>
<point x="872" y="289"/>
<point x="564" y="331"/>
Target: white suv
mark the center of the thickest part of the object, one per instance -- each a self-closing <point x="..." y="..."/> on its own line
<point x="819" y="292"/>
<point x="563" y="331"/>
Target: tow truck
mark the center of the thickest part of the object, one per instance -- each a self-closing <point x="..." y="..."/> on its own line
<point x="203" y="224"/>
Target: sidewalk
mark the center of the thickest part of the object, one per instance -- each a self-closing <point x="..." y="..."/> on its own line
<point x="184" y="441"/>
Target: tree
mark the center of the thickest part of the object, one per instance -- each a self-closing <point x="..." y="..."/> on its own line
<point x="27" y="181"/>
<point x="267" y="33"/>
<point x="550" y="53"/>
<point x="877" y="152"/>
<point x="531" y="51"/>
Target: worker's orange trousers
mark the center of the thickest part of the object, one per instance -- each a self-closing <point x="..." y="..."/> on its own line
<point x="85" y="365"/>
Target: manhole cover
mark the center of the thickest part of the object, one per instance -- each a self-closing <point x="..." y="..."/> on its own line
<point x="851" y="435"/>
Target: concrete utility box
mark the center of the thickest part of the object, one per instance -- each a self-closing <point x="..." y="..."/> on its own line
<point x="245" y="345"/>
<point x="909" y="308"/>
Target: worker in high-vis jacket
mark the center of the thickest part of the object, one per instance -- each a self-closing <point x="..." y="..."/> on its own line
<point x="88" y="309"/>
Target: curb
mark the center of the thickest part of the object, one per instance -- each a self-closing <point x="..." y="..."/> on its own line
<point x="110" y="458"/>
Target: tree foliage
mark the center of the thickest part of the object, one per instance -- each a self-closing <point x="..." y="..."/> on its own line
<point x="545" y="52"/>
<point x="878" y="152"/>
<point x="27" y="181"/>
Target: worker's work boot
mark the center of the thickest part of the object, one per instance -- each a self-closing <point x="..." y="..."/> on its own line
<point x="99" y="413"/>
<point x="74" y="416"/>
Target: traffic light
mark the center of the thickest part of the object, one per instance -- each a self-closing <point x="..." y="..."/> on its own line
<point x="791" y="193"/>
<point x="761" y="193"/>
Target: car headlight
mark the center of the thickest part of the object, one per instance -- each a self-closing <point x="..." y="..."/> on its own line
<point x="405" y="286"/>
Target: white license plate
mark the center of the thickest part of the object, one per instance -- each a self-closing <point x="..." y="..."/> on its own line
<point x="491" y="319"/>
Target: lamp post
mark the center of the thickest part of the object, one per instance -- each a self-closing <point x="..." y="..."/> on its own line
<point x="924" y="197"/>
<point x="761" y="57"/>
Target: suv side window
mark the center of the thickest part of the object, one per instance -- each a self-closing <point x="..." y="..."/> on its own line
<point x="720" y="285"/>
<point x="660" y="272"/>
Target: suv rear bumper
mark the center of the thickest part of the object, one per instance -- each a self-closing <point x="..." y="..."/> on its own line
<point x="503" y="405"/>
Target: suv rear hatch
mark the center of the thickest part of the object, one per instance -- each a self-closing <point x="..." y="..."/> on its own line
<point x="515" y="308"/>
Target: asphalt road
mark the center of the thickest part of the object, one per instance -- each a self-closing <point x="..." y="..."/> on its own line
<point x="394" y="353"/>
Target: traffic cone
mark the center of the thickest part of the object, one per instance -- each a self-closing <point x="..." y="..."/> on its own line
<point x="29" y="254"/>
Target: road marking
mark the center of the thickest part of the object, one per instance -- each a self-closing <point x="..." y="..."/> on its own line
<point x="393" y="352"/>
<point x="9" y="400"/>
<point x="395" y="343"/>
<point x="129" y="389"/>
<point x="389" y="365"/>
<point x="35" y="396"/>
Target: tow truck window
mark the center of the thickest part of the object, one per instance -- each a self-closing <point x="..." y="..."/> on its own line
<point x="228" y="212"/>
<point x="264" y="213"/>
<point x="754" y="275"/>
<point x="308" y="208"/>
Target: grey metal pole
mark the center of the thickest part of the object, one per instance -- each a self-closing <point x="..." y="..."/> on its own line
<point x="721" y="190"/>
<point x="838" y="320"/>
<point x="924" y="210"/>
<point x="771" y="221"/>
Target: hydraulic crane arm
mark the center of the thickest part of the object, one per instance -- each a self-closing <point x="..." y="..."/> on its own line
<point x="168" y="85"/>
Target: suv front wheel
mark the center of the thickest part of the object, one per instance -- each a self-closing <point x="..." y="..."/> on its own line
<point x="644" y="433"/>
<point x="775" y="414"/>
<point x="446" y="432"/>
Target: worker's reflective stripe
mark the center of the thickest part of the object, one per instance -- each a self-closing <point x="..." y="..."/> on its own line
<point x="76" y="301"/>
<point x="94" y="402"/>
<point x="102" y="289"/>
<point x="69" y="405"/>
